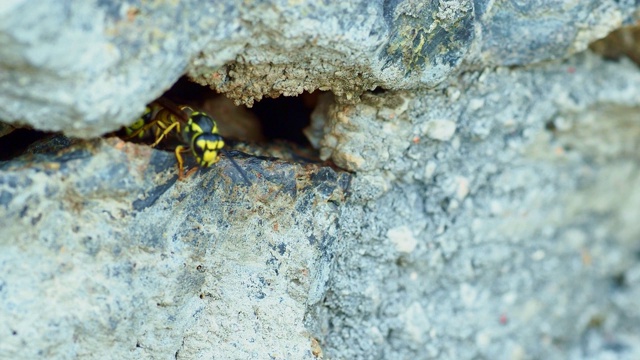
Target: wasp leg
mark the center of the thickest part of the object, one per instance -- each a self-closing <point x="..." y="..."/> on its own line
<point x="181" y="149"/>
<point x="166" y="132"/>
<point x="136" y="133"/>
<point x="133" y="134"/>
<point x="190" y="172"/>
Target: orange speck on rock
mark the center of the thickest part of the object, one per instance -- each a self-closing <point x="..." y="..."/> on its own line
<point x="316" y="350"/>
<point x="586" y="257"/>
<point x="132" y="13"/>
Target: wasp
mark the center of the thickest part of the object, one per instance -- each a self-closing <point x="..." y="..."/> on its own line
<point x="195" y="131"/>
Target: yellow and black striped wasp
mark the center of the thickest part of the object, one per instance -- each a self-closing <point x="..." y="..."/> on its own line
<point x="195" y="131"/>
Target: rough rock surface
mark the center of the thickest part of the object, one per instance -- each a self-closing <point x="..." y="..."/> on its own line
<point x="105" y="255"/>
<point x="87" y="68"/>
<point x="515" y="238"/>
<point x="488" y="212"/>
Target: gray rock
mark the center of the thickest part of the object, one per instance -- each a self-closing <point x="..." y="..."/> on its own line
<point x="105" y="255"/>
<point x="87" y="68"/>
<point x="491" y="214"/>
<point x="515" y="238"/>
<point x="520" y="242"/>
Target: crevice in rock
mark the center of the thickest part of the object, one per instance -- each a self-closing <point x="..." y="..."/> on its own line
<point x="622" y="42"/>
<point x="272" y="127"/>
<point x="18" y="142"/>
<point x="284" y="118"/>
<point x="271" y="119"/>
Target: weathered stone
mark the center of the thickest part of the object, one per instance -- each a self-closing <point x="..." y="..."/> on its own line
<point x="515" y="237"/>
<point x="458" y="249"/>
<point x="518" y="226"/>
<point x="87" y="68"/>
<point x="105" y="254"/>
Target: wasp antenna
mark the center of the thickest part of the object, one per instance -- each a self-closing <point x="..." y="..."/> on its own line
<point x="235" y="164"/>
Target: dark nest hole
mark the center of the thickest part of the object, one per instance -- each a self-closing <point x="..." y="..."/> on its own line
<point x="18" y="141"/>
<point x="280" y="119"/>
<point x="270" y="123"/>
<point x="284" y="118"/>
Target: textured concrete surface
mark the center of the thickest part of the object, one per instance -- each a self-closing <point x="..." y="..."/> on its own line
<point x="87" y="68"/>
<point x="514" y="237"/>
<point x="105" y="255"/>
<point x="487" y="208"/>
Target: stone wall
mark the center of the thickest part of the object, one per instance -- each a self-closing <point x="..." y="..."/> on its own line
<point x="476" y="194"/>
